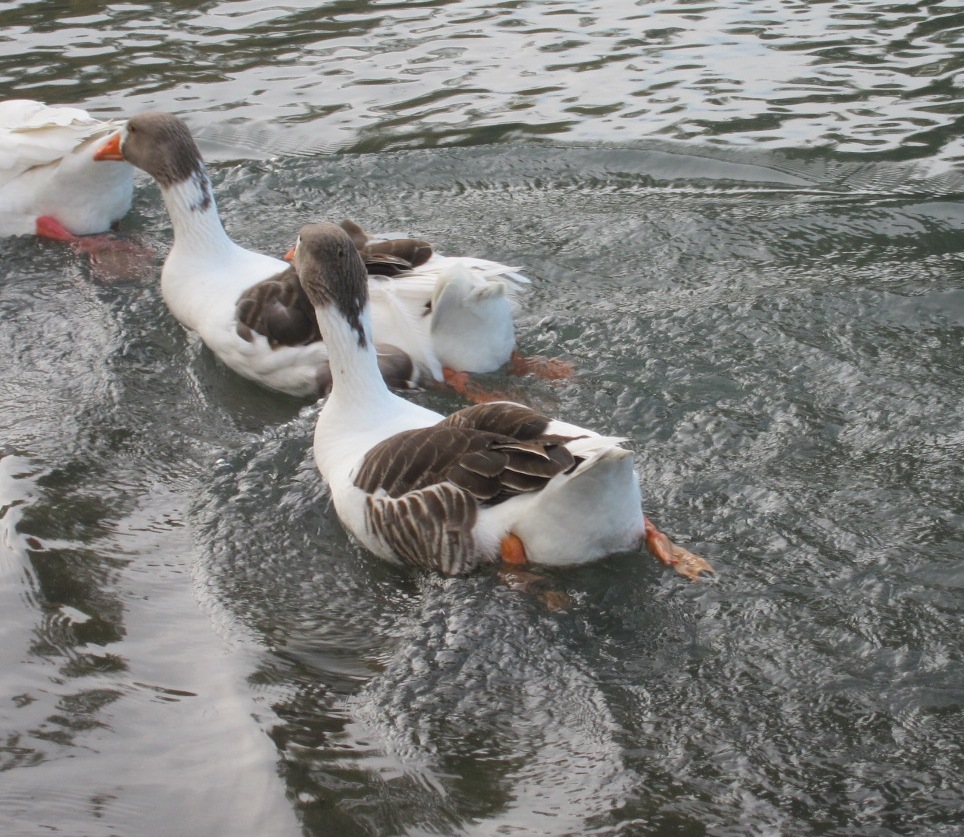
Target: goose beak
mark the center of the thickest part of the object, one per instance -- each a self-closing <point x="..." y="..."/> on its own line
<point x="110" y="150"/>
<point x="290" y="255"/>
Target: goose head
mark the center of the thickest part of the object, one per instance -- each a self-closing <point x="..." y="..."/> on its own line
<point x="334" y="276"/>
<point x="158" y="143"/>
<point x="161" y="145"/>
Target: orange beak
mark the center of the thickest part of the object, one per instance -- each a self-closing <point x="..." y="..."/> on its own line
<point x="110" y="150"/>
<point x="290" y="255"/>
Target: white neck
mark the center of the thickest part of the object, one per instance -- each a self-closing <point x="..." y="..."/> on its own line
<point x="205" y="271"/>
<point x="357" y="383"/>
<point x="361" y="410"/>
<point x="198" y="232"/>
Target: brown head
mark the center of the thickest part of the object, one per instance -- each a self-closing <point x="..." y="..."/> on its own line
<point x="332" y="272"/>
<point x="158" y="143"/>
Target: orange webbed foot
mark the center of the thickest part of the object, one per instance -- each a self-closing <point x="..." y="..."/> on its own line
<point x="547" y="368"/>
<point x="463" y="384"/>
<point x="46" y="226"/>
<point x="455" y="379"/>
<point x="515" y="575"/>
<point x="680" y="559"/>
<point x="111" y="258"/>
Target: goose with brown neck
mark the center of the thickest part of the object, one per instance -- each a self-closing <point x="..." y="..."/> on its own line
<point x="492" y="483"/>
<point x="249" y="308"/>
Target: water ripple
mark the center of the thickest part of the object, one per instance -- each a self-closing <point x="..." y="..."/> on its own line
<point x="878" y="78"/>
<point x="778" y="334"/>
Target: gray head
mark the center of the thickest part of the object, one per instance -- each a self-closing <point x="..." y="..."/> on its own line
<point x="332" y="272"/>
<point x="162" y="145"/>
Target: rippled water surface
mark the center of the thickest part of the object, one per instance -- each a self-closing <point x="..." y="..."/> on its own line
<point x="744" y="225"/>
<point x="862" y="76"/>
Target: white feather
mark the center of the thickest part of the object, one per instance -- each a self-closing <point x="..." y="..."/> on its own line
<point x="47" y="169"/>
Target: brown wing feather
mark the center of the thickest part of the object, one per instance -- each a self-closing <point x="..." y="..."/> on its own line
<point x="410" y="251"/>
<point x="430" y="528"/>
<point x="389" y="257"/>
<point x="487" y="466"/>
<point x="505" y="418"/>
<point x="279" y="309"/>
<point x="426" y="486"/>
<point x="414" y="459"/>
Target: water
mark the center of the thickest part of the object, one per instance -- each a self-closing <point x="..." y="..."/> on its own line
<point x="744" y="225"/>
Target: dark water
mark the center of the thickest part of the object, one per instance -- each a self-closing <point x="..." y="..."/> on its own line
<point x="745" y="230"/>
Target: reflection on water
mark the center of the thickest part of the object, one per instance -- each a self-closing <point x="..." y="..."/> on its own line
<point x="192" y="644"/>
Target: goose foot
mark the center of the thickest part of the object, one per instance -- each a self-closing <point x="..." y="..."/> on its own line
<point x="111" y="258"/>
<point x="47" y="226"/>
<point x="463" y="384"/>
<point x="514" y="574"/>
<point x="680" y="559"/>
<point x="547" y="368"/>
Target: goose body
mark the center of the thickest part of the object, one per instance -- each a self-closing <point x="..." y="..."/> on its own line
<point x="47" y="170"/>
<point x="462" y="308"/>
<point x="448" y="493"/>
<point x="250" y="310"/>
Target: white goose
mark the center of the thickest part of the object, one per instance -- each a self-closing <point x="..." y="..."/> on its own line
<point x="250" y="310"/>
<point x="49" y="184"/>
<point x="494" y="481"/>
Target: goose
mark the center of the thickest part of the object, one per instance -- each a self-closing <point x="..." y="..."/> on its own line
<point x="250" y="310"/>
<point x="49" y="184"/>
<point x="494" y="483"/>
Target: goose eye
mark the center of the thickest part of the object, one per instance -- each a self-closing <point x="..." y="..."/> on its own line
<point x="131" y="129"/>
